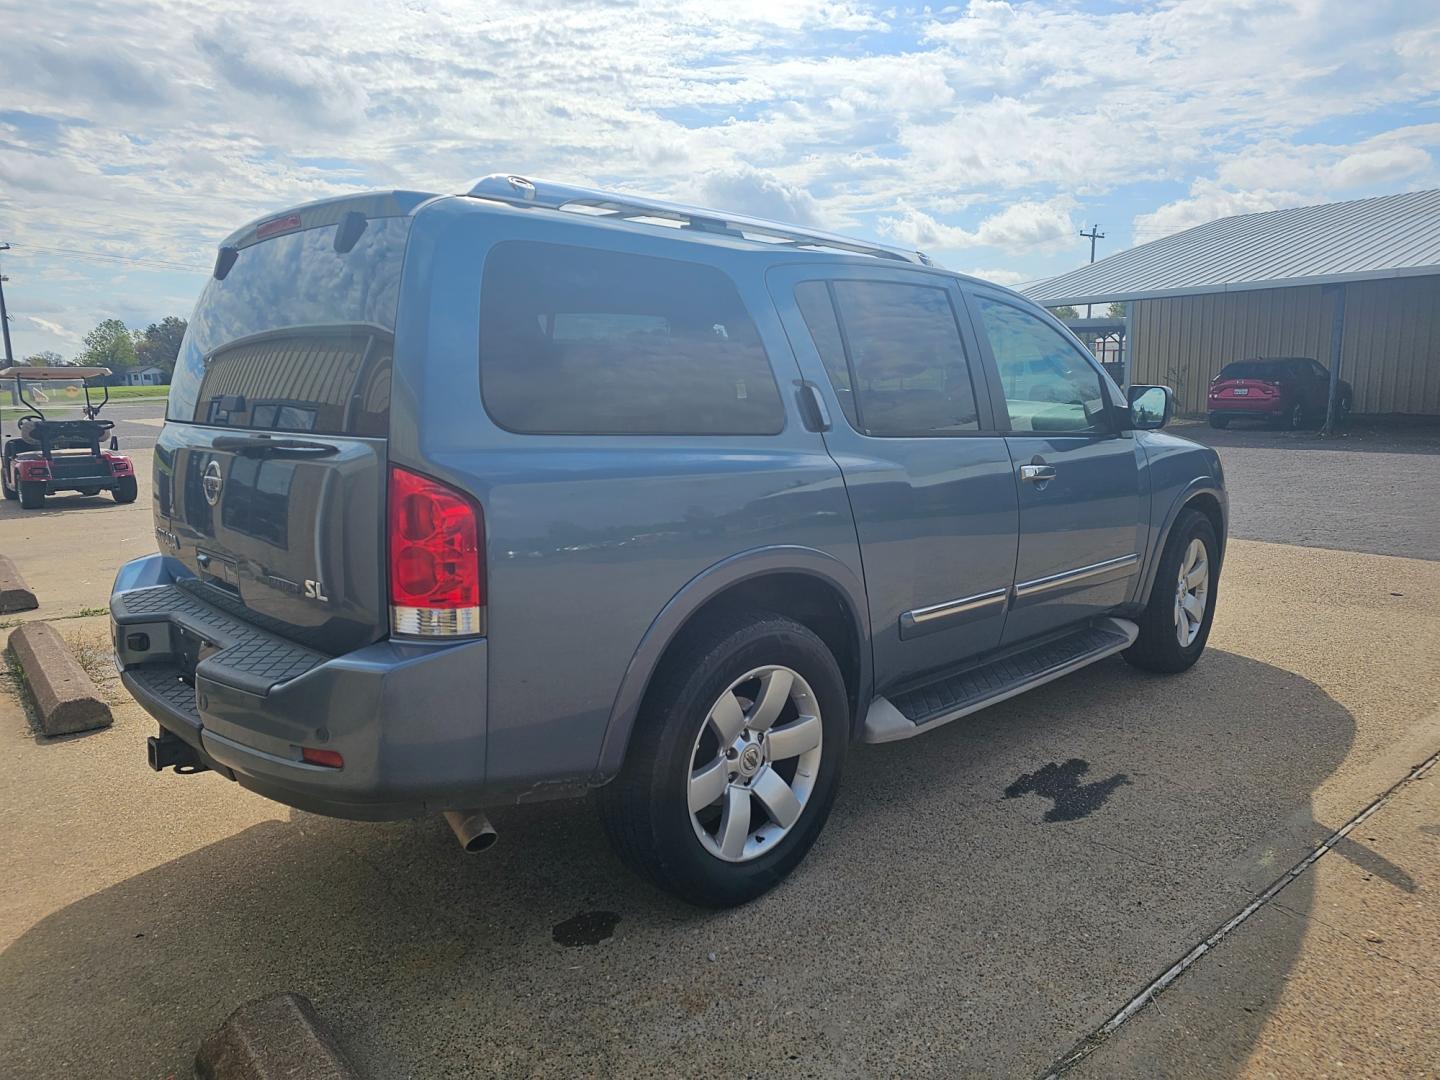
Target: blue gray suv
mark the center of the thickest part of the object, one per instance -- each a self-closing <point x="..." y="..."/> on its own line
<point x="466" y="501"/>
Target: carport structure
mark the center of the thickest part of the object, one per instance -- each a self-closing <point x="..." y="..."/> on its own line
<point x="1355" y="285"/>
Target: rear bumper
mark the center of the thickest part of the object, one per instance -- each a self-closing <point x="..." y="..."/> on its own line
<point x="408" y="719"/>
<point x="1261" y="410"/>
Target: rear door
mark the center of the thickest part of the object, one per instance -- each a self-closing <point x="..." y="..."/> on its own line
<point x="927" y="473"/>
<point x="1076" y="475"/>
<point x="270" y="471"/>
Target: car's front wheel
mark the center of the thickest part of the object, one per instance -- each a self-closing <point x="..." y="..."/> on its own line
<point x="1176" y="621"/>
<point x="734" y="761"/>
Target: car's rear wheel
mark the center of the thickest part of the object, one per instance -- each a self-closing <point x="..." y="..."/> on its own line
<point x="1219" y="421"/>
<point x="734" y="761"/>
<point x="32" y="494"/>
<point x="1176" y="621"/>
<point x="126" y="489"/>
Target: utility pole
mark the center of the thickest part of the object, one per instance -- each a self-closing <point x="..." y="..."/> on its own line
<point x="5" y="317"/>
<point x="1093" y="235"/>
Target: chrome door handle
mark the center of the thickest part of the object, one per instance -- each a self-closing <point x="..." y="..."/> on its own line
<point x="1037" y="473"/>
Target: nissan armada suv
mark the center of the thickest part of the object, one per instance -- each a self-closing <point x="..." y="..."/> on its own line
<point x="465" y="501"/>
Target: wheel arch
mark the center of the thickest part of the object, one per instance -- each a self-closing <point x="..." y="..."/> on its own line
<point x="1201" y="494"/>
<point x="806" y="584"/>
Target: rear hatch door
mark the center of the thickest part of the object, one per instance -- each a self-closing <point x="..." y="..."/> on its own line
<point x="270" y="470"/>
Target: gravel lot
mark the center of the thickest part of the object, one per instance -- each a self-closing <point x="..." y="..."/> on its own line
<point x="1371" y="489"/>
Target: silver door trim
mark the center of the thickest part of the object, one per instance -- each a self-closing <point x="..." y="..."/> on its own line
<point x="1070" y="577"/>
<point x="955" y="607"/>
<point x="926" y="620"/>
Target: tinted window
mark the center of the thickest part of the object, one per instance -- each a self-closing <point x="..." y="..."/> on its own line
<point x="813" y="300"/>
<point x="578" y="341"/>
<point x="297" y="337"/>
<point x="1049" y="385"/>
<point x="1255" y="369"/>
<point x="909" y="368"/>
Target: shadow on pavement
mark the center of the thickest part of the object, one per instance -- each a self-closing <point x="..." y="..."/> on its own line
<point x="939" y="928"/>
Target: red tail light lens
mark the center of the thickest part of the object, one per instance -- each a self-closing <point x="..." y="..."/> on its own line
<point x="437" y="568"/>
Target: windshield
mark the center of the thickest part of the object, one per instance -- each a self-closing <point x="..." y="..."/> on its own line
<point x="297" y="337"/>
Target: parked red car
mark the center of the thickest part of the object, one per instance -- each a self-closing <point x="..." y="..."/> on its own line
<point x="1289" y="391"/>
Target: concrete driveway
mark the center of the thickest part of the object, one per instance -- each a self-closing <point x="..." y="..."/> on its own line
<point x="940" y="928"/>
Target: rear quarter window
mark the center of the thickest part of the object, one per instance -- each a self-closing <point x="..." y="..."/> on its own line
<point x="579" y="341"/>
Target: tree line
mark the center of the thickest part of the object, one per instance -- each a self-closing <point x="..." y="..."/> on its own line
<point x="114" y="345"/>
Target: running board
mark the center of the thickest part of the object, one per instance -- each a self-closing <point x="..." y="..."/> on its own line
<point x="952" y="696"/>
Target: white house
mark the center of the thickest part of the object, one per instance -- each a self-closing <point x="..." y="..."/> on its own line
<point x="146" y="376"/>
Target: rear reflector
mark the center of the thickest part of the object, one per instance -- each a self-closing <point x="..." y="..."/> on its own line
<point x="436" y="545"/>
<point x="331" y="759"/>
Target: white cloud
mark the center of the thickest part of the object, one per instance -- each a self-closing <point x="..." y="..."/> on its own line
<point x="998" y="276"/>
<point x="746" y="190"/>
<point x="1206" y="202"/>
<point x="1021" y="226"/>
<point x="53" y="328"/>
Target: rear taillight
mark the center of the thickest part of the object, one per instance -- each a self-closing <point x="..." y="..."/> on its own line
<point x="437" y="567"/>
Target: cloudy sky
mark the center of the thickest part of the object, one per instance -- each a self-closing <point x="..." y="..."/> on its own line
<point x="133" y="136"/>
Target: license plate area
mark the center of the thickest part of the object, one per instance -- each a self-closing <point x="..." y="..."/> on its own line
<point x="1241" y="391"/>
<point x="189" y="649"/>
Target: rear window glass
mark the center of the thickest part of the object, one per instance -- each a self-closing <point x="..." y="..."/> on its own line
<point x="575" y="341"/>
<point x="297" y="337"/>
<point x="1257" y="369"/>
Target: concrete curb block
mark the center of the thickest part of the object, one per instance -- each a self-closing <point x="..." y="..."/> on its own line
<point x="15" y="595"/>
<point x="66" y="698"/>
<point x="274" y="1038"/>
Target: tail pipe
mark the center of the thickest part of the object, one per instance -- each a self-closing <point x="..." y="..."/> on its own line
<point x="472" y="828"/>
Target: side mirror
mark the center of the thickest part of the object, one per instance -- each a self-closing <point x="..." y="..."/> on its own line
<point x="1151" y="407"/>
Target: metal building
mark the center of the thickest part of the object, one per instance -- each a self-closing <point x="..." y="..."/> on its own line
<point x="1363" y="275"/>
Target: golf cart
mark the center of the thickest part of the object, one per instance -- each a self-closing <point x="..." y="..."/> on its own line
<point x="46" y="456"/>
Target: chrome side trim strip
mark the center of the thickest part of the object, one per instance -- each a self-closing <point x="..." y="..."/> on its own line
<point x="939" y="617"/>
<point x="955" y="607"/>
<point x="1069" y="577"/>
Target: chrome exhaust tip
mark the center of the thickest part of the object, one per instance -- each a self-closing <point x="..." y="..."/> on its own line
<point x="472" y="828"/>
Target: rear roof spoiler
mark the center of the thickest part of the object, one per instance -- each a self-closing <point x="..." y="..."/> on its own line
<point x="544" y="194"/>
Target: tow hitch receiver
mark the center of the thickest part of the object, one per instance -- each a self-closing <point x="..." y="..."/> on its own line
<point x="166" y="750"/>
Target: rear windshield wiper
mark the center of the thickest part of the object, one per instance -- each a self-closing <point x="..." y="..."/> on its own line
<point x="256" y="445"/>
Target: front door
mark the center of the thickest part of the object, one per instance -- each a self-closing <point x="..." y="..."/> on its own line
<point x="928" y="474"/>
<point x="1077" y="474"/>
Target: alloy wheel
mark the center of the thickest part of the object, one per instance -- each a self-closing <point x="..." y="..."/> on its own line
<point x="755" y="763"/>
<point x="1192" y="591"/>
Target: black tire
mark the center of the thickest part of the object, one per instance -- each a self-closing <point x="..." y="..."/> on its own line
<point x="1219" y="421"/>
<point x="126" y="489"/>
<point x="32" y="494"/>
<point x="1158" y="647"/>
<point x="9" y="492"/>
<point x="645" y="809"/>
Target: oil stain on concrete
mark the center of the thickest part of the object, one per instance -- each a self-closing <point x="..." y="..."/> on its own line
<point x="587" y="928"/>
<point x="1061" y="784"/>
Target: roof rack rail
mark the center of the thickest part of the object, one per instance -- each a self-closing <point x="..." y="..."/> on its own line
<point x="518" y="191"/>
